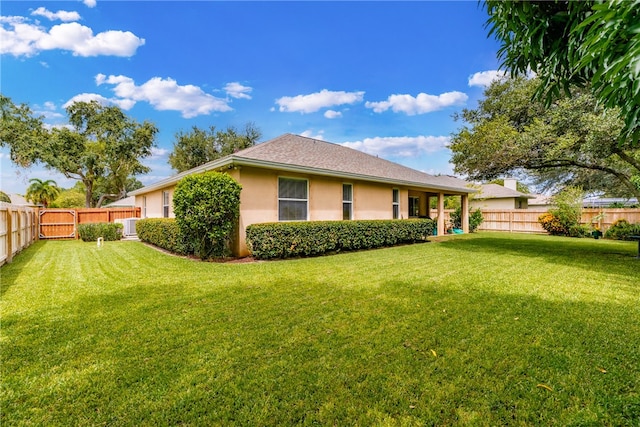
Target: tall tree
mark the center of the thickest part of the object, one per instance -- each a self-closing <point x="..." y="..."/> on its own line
<point x="21" y="131"/>
<point x="201" y="146"/>
<point x="101" y="144"/>
<point x="590" y="43"/>
<point x="573" y="142"/>
<point x="42" y="192"/>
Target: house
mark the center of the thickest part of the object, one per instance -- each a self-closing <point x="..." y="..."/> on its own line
<point x="294" y="178"/>
<point x="127" y="202"/>
<point x="495" y="196"/>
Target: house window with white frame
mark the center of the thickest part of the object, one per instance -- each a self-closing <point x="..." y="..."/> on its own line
<point x="293" y="199"/>
<point x="347" y="201"/>
<point x="144" y="206"/>
<point x="165" y="204"/>
<point x="414" y="207"/>
<point x="396" y="203"/>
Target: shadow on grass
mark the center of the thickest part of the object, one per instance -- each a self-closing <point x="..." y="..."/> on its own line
<point x="315" y="352"/>
<point x="611" y="257"/>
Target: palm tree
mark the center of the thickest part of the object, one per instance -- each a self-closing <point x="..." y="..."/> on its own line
<point x="42" y="192"/>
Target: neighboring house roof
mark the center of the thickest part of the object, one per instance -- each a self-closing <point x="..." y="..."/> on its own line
<point x="540" y="200"/>
<point x="597" y="202"/>
<point x="126" y="202"/>
<point x="300" y="154"/>
<point x="496" y="191"/>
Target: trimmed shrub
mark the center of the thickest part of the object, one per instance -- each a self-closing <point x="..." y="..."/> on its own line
<point x="475" y="219"/>
<point x="552" y="224"/>
<point x="564" y="220"/>
<point x="622" y="230"/>
<point x="295" y="239"/>
<point x="207" y="207"/>
<point x="163" y="233"/>
<point x="109" y="231"/>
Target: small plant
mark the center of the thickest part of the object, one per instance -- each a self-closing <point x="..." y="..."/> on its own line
<point x="564" y="220"/>
<point x="622" y="230"/>
<point x="109" y="231"/>
<point x="475" y="219"/>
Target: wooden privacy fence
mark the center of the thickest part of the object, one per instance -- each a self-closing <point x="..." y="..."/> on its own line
<point x="18" y="229"/>
<point x="526" y="221"/>
<point x="62" y="223"/>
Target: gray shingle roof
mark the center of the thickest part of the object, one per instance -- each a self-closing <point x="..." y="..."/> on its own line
<point x="307" y="155"/>
<point x="496" y="191"/>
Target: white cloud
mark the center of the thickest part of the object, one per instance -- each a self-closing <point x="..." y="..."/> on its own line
<point x="315" y="101"/>
<point x="90" y="3"/>
<point x="309" y="134"/>
<point x="125" y="104"/>
<point x="330" y="114"/>
<point x="485" y="78"/>
<point x="164" y="95"/>
<point x="399" y="146"/>
<point x="21" y="38"/>
<point x="159" y="152"/>
<point x="236" y="90"/>
<point x="61" y="15"/>
<point x="421" y="104"/>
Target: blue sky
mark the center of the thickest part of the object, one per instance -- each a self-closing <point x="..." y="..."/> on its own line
<point x="381" y="77"/>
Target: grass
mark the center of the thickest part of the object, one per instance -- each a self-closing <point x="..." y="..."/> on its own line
<point x="485" y="329"/>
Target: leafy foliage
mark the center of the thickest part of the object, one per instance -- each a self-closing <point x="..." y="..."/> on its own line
<point x="163" y="233"/>
<point x="564" y="219"/>
<point x="201" y="146"/>
<point x="475" y="218"/>
<point x="101" y="147"/>
<point x="207" y="207"/>
<point x="4" y="197"/>
<point x="575" y="142"/>
<point x="622" y="230"/>
<point x="42" y="192"/>
<point x="71" y="198"/>
<point x="592" y="44"/>
<point x="312" y="238"/>
<point x="109" y="231"/>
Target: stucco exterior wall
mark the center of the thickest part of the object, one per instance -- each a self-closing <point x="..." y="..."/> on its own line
<point x="154" y="203"/>
<point x="259" y="199"/>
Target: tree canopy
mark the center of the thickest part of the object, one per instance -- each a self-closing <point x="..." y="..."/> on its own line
<point x="568" y="44"/>
<point x="200" y="146"/>
<point x="572" y="142"/>
<point x="101" y="147"/>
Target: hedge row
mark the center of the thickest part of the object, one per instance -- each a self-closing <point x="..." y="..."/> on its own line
<point x="109" y="231"/>
<point x="295" y="239"/>
<point x="164" y="233"/>
<point x="622" y="230"/>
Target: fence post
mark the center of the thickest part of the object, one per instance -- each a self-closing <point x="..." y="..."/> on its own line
<point x="9" y="235"/>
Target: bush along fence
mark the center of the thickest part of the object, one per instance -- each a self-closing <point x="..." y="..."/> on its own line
<point x="18" y="230"/>
<point x="526" y="220"/>
<point x="108" y="231"/>
<point x="297" y="239"/>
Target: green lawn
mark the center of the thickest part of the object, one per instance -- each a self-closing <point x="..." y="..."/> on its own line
<point x="485" y="329"/>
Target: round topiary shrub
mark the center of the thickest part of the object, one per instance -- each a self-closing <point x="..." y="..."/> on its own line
<point x="206" y="207"/>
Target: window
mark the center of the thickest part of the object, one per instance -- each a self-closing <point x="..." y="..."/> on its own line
<point x="396" y="203"/>
<point x="414" y="206"/>
<point x="292" y="199"/>
<point x="347" y="201"/>
<point x="165" y="204"/>
<point x="144" y="206"/>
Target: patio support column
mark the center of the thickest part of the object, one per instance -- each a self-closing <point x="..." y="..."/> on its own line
<point x="440" y="214"/>
<point x="428" y="206"/>
<point x="465" y="212"/>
